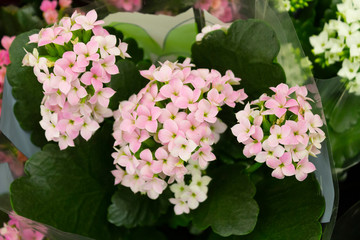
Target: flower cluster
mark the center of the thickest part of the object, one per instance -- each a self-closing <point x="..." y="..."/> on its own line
<point x="281" y="131"/>
<point x="15" y="230"/>
<point x="50" y="13"/>
<point x="6" y="42"/>
<point x="126" y="5"/>
<point x="222" y="9"/>
<point x="166" y="131"/>
<point x="291" y="5"/>
<point x="340" y="42"/>
<point x="73" y="76"/>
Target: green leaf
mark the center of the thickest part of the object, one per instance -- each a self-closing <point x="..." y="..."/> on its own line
<point x="289" y="209"/>
<point x="249" y="49"/>
<point x="70" y="189"/>
<point x="230" y="207"/>
<point x="126" y="83"/>
<point x="131" y="210"/>
<point x="26" y="89"/>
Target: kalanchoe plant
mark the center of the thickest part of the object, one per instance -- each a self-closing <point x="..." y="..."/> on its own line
<point x="166" y="131"/>
<point x="340" y="42"/>
<point x="80" y="60"/>
<point x="281" y="131"/>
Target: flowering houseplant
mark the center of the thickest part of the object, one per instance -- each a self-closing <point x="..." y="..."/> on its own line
<point x="167" y="119"/>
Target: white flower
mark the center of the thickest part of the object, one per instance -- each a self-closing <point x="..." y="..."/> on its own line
<point x="353" y="41"/>
<point x="199" y="183"/>
<point x="319" y="42"/>
<point x="352" y="15"/>
<point x="332" y="57"/>
<point x="336" y="45"/>
<point x="349" y="69"/>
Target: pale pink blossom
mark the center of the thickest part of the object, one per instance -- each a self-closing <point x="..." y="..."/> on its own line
<point x="51" y="16"/>
<point x="88" y="21"/>
<point x="282" y="166"/>
<point x="206" y="112"/>
<point x="147" y="118"/>
<point x="86" y="52"/>
<point x="183" y="148"/>
<point x="303" y="168"/>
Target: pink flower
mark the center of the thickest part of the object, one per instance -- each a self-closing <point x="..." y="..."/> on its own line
<point x="147" y="118"/>
<point x="171" y="112"/>
<point x="214" y="97"/>
<point x="65" y="3"/>
<point x="163" y="74"/>
<point x="62" y="79"/>
<point x="118" y="174"/>
<point x="183" y="148"/>
<point x="87" y="22"/>
<point x="154" y="187"/>
<point x="282" y="167"/>
<point x="86" y="53"/>
<point x="102" y="97"/>
<point x="65" y="141"/>
<point x="96" y="77"/>
<point x="107" y="45"/>
<point x="133" y="181"/>
<point x="50" y="35"/>
<point x="172" y="90"/>
<point x="47" y="5"/>
<point x="243" y="130"/>
<point x="4" y="57"/>
<point x="303" y="168"/>
<point x="126" y="159"/>
<point x="6" y="41"/>
<point x="129" y="5"/>
<point x="150" y="166"/>
<point x="279" y="105"/>
<point x="314" y="122"/>
<point x="253" y="145"/>
<point x="108" y="65"/>
<point x="187" y="98"/>
<point x="298" y="133"/>
<point x="135" y="139"/>
<point x="169" y="132"/>
<point x="68" y="60"/>
<point x="279" y="134"/>
<point x="270" y="154"/>
<point x="204" y="155"/>
<point x="206" y="112"/>
<point x="51" y="16"/>
<point x="88" y="128"/>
